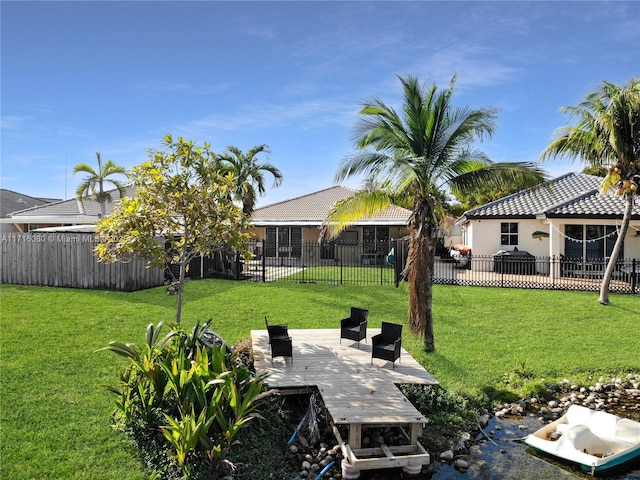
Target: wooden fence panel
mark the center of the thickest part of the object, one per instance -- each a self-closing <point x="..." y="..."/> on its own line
<point x="67" y="260"/>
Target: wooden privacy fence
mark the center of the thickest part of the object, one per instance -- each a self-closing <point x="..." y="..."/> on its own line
<point x="67" y="260"/>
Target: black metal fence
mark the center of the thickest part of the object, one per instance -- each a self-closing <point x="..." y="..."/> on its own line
<point x="382" y="263"/>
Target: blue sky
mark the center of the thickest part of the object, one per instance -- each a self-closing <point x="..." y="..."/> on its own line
<point x="115" y="77"/>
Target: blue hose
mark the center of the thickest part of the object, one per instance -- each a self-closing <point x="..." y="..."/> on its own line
<point x="324" y="470"/>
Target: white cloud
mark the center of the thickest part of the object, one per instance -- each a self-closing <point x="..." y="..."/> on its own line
<point x="474" y="65"/>
<point x="13" y="122"/>
<point x="301" y="115"/>
<point x="185" y="87"/>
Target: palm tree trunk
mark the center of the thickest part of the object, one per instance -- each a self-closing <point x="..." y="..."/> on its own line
<point x="420" y="263"/>
<point x="101" y="201"/>
<point x="606" y="279"/>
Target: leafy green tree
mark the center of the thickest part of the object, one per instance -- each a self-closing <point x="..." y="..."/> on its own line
<point x="486" y="194"/>
<point x="182" y="208"/>
<point x="249" y="174"/>
<point x="607" y="133"/>
<point x="596" y="170"/>
<point x="93" y="184"/>
<point x="420" y="152"/>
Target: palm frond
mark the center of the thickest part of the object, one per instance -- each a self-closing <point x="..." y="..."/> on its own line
<point x="362" y="204"/>
<point x="498" y="175"/>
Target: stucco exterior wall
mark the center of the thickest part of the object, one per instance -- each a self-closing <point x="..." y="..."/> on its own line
<point x="483" y="236"/>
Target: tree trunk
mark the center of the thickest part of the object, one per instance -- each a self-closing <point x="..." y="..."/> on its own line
<point x="101" y="201"/>
<point x="611" y="265"/>
<point x="183" y="269"/>
<point x="420" y="263"/>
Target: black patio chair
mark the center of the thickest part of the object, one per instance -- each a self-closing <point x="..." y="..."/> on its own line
<point x="387" y="345"/>
<point x="355" y="327"/>
<point x="280" y="341"/>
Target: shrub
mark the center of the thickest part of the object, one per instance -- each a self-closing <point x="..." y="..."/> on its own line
<point x="522" y="382"/>
<point x="183" y="401"/>
<point x="447" y="412"/>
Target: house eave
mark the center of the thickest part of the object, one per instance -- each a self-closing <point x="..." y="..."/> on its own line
<point x="303" y="223"/>
<point x="594" y="216"/>
<point x="496" y="217"/>
<point x="74" y="219"/>
<point x="286" y="223"/>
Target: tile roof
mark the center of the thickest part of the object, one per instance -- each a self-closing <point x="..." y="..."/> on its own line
<point x="314" y="208"/>
<point x="69" y="207"/>
<point x="11" y="201"/>
<point x="571" y="195"/>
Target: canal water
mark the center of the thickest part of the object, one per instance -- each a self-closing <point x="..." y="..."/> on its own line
<point x="504" y="458"/>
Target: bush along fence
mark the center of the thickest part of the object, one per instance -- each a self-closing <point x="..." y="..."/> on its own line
<point x="382" y="264"/>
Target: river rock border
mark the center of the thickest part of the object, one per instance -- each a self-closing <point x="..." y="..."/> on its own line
<point x="617" y="395"/>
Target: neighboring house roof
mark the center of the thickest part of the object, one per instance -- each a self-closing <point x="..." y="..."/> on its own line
<point x="11" y="201"/>
<point x="312" y="209"/>
<point x="569" y="196"/>
<point x="67" y="211"/>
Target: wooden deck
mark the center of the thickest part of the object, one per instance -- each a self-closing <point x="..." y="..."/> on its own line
<point x="356" y="393"/>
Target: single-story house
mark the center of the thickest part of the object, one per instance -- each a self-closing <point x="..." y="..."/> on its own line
<point x="11" y="202"/>
<point x="60" y="213"/>
<point x="563" y="218"/>
<point x="283" y="228"/>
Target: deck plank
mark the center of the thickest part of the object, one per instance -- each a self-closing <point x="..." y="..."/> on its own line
<point x="353" y="390"/>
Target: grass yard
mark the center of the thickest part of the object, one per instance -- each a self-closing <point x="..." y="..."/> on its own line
<point x="332" y="274"/>
<point x="55" y="417"/>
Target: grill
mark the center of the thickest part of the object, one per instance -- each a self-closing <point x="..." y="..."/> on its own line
<point x="517" y="262"/>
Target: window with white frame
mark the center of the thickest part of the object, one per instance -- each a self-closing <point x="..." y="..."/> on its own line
<point x="508" y="233"/>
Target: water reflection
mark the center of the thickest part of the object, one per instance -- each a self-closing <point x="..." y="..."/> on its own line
<point x="506" y="459"/>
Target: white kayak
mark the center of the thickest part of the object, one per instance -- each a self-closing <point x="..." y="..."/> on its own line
<point x="597" y="441"/>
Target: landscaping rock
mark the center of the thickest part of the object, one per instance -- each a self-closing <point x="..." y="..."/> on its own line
<point x="447" y="455"/>
<point x="483" y="420"/>
<point x="461" y="464"/>
<point x="463" y="442"/>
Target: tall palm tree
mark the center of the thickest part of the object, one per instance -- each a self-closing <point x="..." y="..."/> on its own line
<point x="420" y="153"/>
<point x="93" y="184"/>
<point x="249" y="174"/>
<point x="607" y="133"/>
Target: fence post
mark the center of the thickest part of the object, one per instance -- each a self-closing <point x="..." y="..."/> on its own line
<point x="264" y="267"/>
<point x="303" y="260"/>
<point x="634" y="273"/>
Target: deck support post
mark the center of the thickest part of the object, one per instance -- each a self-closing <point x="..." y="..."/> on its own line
<point x="355" y="436"/>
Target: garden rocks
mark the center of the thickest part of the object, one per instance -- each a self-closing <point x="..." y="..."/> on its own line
<point x="618" y="395"/>
<point x="447" y="455"/>
<point x="313" y="461"/>
<point x="462" y="464"/>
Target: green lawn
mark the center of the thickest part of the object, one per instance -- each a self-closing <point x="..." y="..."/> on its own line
<point x="55" y="418"/>
<point x="336" y="275"/>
